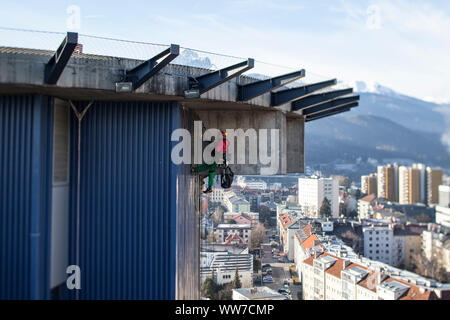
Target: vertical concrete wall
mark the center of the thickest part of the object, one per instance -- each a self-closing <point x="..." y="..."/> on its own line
<point x="251" y="119"/>
<point x="187" y="277"/>
<point x="295" y="150"/>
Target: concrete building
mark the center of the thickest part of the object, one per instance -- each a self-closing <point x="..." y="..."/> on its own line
<point x="312" y="191"/>
<point x="423" y="178"/>
<point x="434" y="180"/>
<point x="257" y="293"/>
<point x="379" y="244"/>
<point x="93" y="175"/>
<point x="369" y="184"/>
<point x="224" y="265"/>
<point x="233" y="233"/>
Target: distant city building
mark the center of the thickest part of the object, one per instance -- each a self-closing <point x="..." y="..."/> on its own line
<point x="243" y="182"/>
<point x="434" y="180"/>
<point x="409" y="185"/>
<point x="312" y="191"/>
<point x="422" y="169"/>
<point x="386" y="183"/>
<point x="369" y="184"/>
<point x="235" y="203"/>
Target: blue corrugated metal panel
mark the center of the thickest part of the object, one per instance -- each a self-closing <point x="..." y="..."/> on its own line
<point x="127" y="201"/>
<point x="26" y="126"/>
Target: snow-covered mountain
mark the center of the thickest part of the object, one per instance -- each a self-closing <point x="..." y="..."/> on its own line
<point x="386" y="124"/>
<point x="373" y="87"/>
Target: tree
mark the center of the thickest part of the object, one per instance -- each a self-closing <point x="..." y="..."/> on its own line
<point x="257" y="236"/>
<point x="226" y="293"/>
<point x="218" y="215"/>
<point x="265" y="215"/>
<point x="325" y="209"/>
<point x="236" y="282"/>
<point x="209" y="289"/>
<point x="429" y="268"/>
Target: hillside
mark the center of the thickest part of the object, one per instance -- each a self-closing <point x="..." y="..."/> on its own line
<point x="386" y="125"/>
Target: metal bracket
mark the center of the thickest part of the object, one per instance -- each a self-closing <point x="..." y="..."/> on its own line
<point x="331" y="112"/>
<point x="149" y="68"/>
<point x="288" y="95"/>
<point x="320" y="98"/>
<point x="208" y="81"/>
<point x="252" y="90"/>
<point x="55" y="66"/>
<point x="330" y="105"/>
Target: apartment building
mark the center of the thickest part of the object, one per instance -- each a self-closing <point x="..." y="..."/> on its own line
<point x="386" y="182"/>
<point x="369" y="184"/>
<point x="365" y="206"/>
<point x="434" y="180"/>
<point x="312" y="191"/>
<point x="380" y="244"/>
<point x="413" y="242"/>
<point x="443" y="209"/>
<point x="423" y="178"/>
<point x="328" y="277"/>
<point x="409" y="185"/>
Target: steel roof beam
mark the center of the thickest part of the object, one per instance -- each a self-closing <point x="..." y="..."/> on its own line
<point x="330" y="105"/>
<point x="288" y="95"/>
<point x="320" y="98"/>
<point x="252" y="90"/>
<point x="141" y="73"/>
<point x="55" y="66"/>
<point x="331" y="112"/>
<point x="208" y="81"/>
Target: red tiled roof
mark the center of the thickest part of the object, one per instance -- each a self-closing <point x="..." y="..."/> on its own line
<point x="309" y="242"/>
<point x="233" y="237"/>
<point x="414" y="292"/>
<point x="285" y="220"/>
<point x="307" y="230"/>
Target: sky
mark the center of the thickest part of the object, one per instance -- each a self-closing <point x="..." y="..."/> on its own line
<point x="401" y="44"/>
